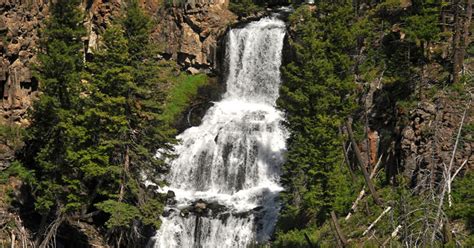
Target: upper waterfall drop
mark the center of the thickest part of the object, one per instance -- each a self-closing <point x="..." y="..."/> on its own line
<point x="232" y="160"/>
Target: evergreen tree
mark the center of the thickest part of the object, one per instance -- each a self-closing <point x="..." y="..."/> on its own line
<point x="124" y="116"/>
<point x="316" y="97"/>
<point x="55" y="133"/>
<point x="95" y="132"/>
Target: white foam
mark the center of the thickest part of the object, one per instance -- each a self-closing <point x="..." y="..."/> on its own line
<point x="234" y="157"/>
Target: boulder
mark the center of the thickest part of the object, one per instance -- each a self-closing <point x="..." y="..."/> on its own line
<point x="170" y="194"/>
<point x="192" y="71"/>
<point x="4" y="69"/>
<point x="3" y="25"/>
<point x="13" y="49"/>
<point x="200" y="206"/>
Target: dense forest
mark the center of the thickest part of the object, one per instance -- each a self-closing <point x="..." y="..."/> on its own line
<point x="377" y="99"/>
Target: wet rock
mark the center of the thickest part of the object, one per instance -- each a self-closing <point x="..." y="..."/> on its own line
<point x="200" y="206"/>
<point x="184" y="212"/>
<point x="170" y="194"/>
<point x="257" y="209"/>
<point x="170" y="198"/>
<point x="168" y="212"/>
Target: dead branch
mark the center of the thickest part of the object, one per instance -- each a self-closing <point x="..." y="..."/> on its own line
<point x="336" y="238"/>
<point x="23" y="235"/>
<point x="453" y="156"/>
<point x="13" y="240"/>
<point x="458" y="170"/>
<point x="371" y="187"/>
<point x="354" y="205"/>
<point x="447" y="174"/>
<point x="362" y="192"/>
<point x="346" y="160"/>
<point x="376" y="220"/>
<point x="50" y="237"/>
<point x="338" y="229"/>
<point x="393" y="235"/>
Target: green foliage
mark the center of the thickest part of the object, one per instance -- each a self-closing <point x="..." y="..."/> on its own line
<point x="463" y="201"/>
<point x="16" y="169"/>
<point x="96" y="127"/>
<point x="316" y="98"/>
<point x="12" y="136"/>
<point x="244" y="7"/>
<point x="151" y="212"/>
<point x="421" y="26"/>
<point x="182" y="90"/>
<point x="125" y="117"/>
<point x="54" y="133"/>
<point x="296" y="238"/>
<point x="317" y="94"/>
<point x="121" y="214"/>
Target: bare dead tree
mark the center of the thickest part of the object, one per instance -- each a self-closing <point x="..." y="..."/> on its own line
<point x="392" y="236"/>
<point x="49" y="239"/>
<point x="339" y="233"/>
<point x="376" y="220"/>
<point x="362" y="192"/>
<point x="347" y="161"/>
<point x="446" y="186"/>
<point x="362" y="165"/>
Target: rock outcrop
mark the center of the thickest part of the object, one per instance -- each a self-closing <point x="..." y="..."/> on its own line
<point x="190" y="31"/>
<point x="20" y="22"/>
<point x="428" y="141"/>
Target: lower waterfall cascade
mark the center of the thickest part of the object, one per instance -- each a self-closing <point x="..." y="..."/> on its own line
<point x="228" y="167"/>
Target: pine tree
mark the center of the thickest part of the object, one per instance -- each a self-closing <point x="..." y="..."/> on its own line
<point x="96" y="129"/>
<point x="316" y="95"/>
<point x="54" y="132"/>
<point x="124" y="115"/>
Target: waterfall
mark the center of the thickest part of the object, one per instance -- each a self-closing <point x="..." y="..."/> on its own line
<point x="225" y="176"/>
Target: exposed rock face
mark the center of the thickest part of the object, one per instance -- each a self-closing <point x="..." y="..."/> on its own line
<point x="190" y="32"/>
<point x="99" y="14"/>
<point x="428" y="141"/>
<point x="20" y="22"/>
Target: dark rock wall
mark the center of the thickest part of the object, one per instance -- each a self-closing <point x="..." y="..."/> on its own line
<point x="20" y="22"/>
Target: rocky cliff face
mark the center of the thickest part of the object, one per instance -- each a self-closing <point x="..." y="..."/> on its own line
<point x="190" y="30"/>
<point x="429" y="140"/>
<point x="187" y="31"/>
<point x="20" y="22"/>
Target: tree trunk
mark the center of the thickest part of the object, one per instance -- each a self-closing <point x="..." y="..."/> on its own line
<point x="462" y="22"/>
<point x="348" y="163"/>
<point x="126" y="166"/>
<point x="339" y="233"/>
<point x="371" y="187"/>
<point x="41" y="230"/>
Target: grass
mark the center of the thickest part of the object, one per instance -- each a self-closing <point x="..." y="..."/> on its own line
<point x="11" y="135"/>
<point x="182" y="91"/>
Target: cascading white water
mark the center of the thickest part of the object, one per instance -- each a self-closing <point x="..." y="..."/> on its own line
<point x="232" y="160"/>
